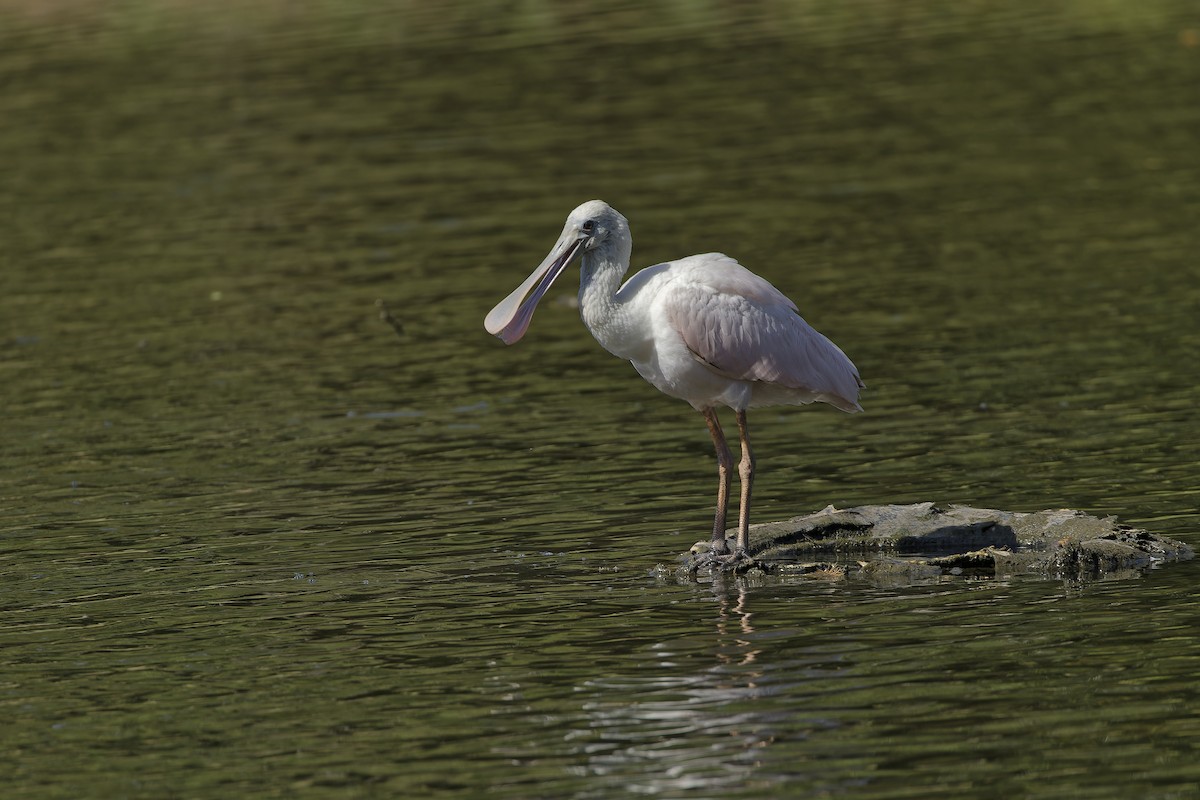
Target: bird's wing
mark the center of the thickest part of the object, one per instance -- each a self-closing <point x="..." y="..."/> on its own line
<point x="744" y="328"/>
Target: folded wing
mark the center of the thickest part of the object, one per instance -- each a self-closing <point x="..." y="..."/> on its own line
<point x="743" y="328"/>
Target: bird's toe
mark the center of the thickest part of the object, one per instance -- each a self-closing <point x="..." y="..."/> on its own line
<point x="738" y="562"/>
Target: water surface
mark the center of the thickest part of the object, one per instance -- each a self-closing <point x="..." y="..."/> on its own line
<point x="257" y="544"/>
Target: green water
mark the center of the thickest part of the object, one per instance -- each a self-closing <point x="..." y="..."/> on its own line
<point x="254" y="544"/>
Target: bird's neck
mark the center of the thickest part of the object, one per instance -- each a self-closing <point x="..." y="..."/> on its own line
<point x="599" y="279"/>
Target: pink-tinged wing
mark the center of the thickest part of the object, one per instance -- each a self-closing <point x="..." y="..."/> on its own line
<point x="744" y="328"/>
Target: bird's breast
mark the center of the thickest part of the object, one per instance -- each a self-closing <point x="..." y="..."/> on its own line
<point x="623" y="335"/>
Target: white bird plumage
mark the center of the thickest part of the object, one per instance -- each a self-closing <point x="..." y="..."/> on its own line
<point x="703" y="329"/>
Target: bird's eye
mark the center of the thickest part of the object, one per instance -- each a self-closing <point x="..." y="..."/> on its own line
<point x="589" y="226"/>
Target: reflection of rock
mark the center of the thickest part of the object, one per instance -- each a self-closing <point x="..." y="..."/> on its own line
<point x="936" y="541"/>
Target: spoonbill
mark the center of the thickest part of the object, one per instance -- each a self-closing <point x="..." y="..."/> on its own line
<point x="703" y="329"/>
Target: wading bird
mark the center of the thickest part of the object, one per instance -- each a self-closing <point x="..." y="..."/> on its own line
<point x="704" y="329"/>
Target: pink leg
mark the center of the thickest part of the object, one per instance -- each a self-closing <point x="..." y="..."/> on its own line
<point x="724" y="469"/>
<point x="746" y="474"/>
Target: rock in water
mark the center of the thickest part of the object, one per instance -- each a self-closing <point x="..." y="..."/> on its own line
<point x="957" y="539"/>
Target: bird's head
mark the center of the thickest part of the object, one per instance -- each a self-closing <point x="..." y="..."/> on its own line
<point x="595" y="225"/>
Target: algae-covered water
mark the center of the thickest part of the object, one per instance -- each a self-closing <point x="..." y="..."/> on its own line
<point x="256" y="544"/>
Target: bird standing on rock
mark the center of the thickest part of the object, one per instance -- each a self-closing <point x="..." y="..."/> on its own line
<point x="704" y="329"/>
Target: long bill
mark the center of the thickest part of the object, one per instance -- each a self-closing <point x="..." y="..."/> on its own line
<point x="510" y="318"/>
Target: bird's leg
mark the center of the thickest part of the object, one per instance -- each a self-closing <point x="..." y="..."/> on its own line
<point x="718" y="555"/>
<point x="746" y="474"/>
<point x="724" y="468"/>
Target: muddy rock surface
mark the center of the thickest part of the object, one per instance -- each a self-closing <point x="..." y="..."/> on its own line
<point x="907" y="543"/>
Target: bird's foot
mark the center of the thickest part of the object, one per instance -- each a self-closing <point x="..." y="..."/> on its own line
<point x="738" y="561"/>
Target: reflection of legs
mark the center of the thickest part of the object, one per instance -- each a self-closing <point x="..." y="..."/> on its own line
<point x="746" y="474"/>
<point x="724" y="467"/>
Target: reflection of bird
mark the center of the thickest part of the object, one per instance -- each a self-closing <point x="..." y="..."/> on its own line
<point x="704" y="329"/>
